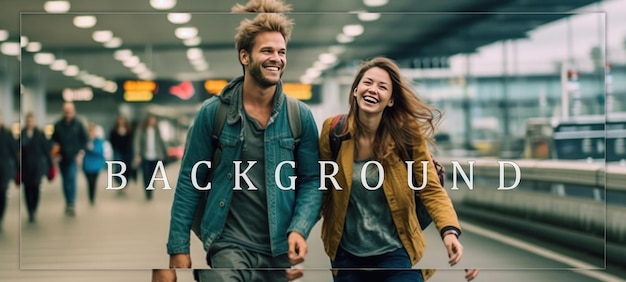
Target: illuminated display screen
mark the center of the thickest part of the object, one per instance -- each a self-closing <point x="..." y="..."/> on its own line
<point x="164" y="91"/>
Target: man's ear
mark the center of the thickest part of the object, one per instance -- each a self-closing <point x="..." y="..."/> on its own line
<point x="244" y="57"/>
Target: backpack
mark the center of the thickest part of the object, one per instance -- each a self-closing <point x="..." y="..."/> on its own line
<point x="295" y="124"/>
<point x="423" y="217"/>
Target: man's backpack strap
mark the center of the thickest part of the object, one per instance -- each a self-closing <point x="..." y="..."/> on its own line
<point x="295" y="121"/>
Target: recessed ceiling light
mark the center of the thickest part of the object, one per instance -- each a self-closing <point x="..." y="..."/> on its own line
<point x="84" y="21"/>
<point x="328" y="58"/>
<point x="146" y="76"/>
<point x="102" y="36"/>
<point x="4" y="35"/>
<point x="23" y="41"/>
<point x="123" y="54"/>
<point x="375" y="3"/>
<point x="10" y="48"/>
<point x="368" y="17"/>
<point x="319" y="65"/>
<point x="312" y="72"/>
<point x="58" y="65"/>
<point x="353" y="30"/>
<point x="337" y="49"/>
<point x="342" y="38"/>
<point x="139" y="68"/>
<point x="33" y="46"/>
<point x="56" y="6"/>
<point x="110" y="86"/>
<point x="131" y="62"/>
<point x="162" y="4"/>
<point x="186" y="32"/>
<point x="97" y="82"/>
<point x="194" y="53"/>
<point x="179" y="18"/>
<point x="71" y="70"/>
<point x="44" y="58"/>
<point x="113" y="43"/>
<point x="192" y="41"/>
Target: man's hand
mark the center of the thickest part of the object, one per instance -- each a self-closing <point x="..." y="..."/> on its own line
<point x="470" y="274"/>
<point x="297" y="248"/>
<point x="454" y="248"/>
<point x="164" y="275"/>
<point x="180" y="261"/>
<point x="294" y="273"/>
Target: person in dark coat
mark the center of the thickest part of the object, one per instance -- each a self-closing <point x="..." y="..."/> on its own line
<point x="70" y="137"/>
<point x="121" y="138"/>
<point x="8" y="165"/>
<point x="36" y="163"/>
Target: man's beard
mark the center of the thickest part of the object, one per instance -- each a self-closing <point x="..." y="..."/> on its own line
<point x="257" y="75"/>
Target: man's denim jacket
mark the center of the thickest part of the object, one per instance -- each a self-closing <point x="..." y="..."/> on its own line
<point x="288" y="210"/>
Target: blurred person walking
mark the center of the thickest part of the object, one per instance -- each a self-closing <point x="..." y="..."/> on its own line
<point x="70" y="137"/>
<point x="149" y="149"/>
<point x="36" y="163"/>
<point x="8" y="166"/>
<point x="378" y="228"/>
<point x="93" y="161"/>
<point x="121" y="139"/>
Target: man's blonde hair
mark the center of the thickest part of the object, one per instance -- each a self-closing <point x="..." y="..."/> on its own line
<point x="270" y="18"/>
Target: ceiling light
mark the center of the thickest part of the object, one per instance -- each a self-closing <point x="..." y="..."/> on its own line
<point x="97" y="82"/>
<point x="56" y="6"/>
<point x="194" y="53"/>
<point x="113" y="43"/>
<point x="131" y="62"/>
<point x="201" y="67"/>
<point x="83" y="75"/>
<point x="319" y="65"/>
<point x="33" y="46"/>
<point x="71" y="70"/>
<point x="328" y="58"/>
<point x="305" y="79"/>
<point x="23" y="41"/>
<point x="342" y="38"/>
<point x="141" y="67"/>
<point x="44" y="58"/>
<point x="4" y="35"/>
<point x="102" y="36"/>
<point x="313" y="73"/>
<point x="85" y="21"/>
<point x="179" y="18"/>
<point x="337" y="49"/>
<point x="368" y="17"/>
<point x="353" y="30"/>
<point x="146" y="76"/>
<point x="186" y="32"/>
<point x="375" y="3"/>
<point x="192" y="41"/>
<point x="162" y="4"/>
<point x="58" y="65"/>
<point x="10" y="48"/>
<point x="198" y="62"/>
<point x="110" y="86"/>
<point x="123" y="54"/>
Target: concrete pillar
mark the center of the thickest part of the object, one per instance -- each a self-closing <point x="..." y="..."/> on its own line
<point x="332" y="101"/>
<point x="34" y="99"/>
<point x="6" y="98"/>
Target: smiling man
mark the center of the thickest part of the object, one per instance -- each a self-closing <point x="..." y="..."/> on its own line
<point x="263" y="228"/>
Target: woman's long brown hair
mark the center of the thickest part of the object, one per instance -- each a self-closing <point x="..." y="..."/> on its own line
<point x="408" y="121"/>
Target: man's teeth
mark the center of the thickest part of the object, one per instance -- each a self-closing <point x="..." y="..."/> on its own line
<point x="272" y="68"/>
